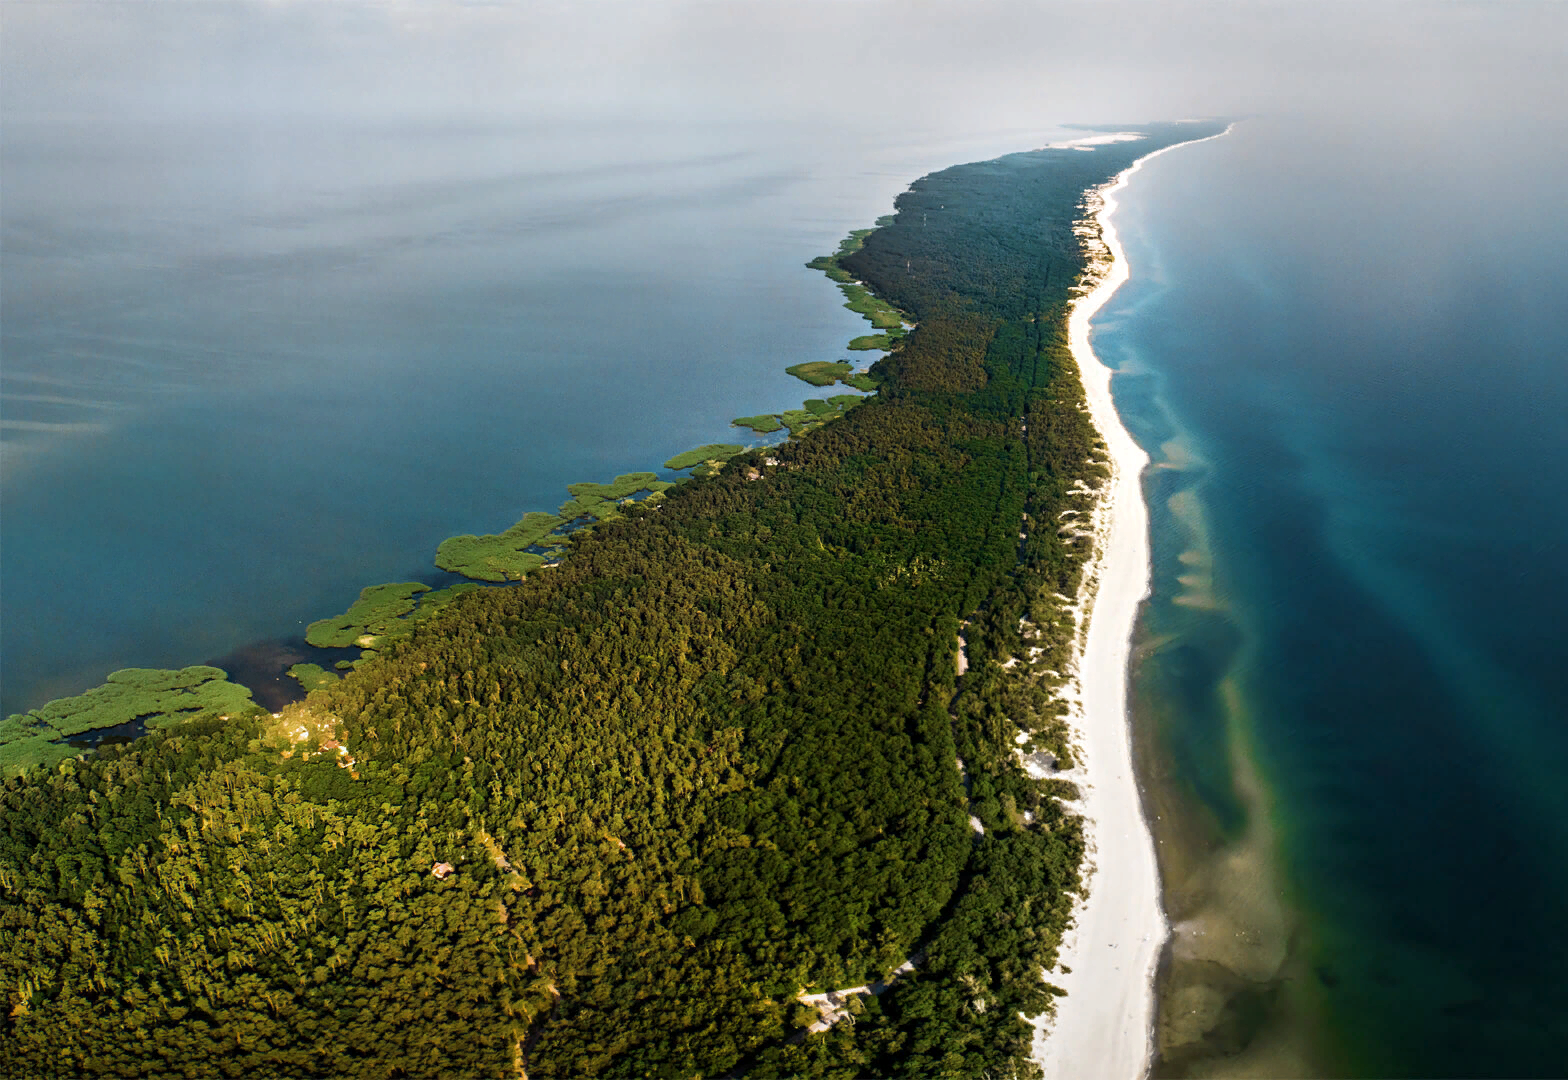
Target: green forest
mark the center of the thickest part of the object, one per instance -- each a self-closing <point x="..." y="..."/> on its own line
<point x="614" y="818"/>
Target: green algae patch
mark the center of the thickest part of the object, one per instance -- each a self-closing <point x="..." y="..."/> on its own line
<point x="370" y="615"/>
<point x="621" y="487"/>
<point x="762" y="425"/>
<point x="875" y="341"/>
<point x="820" y="372"/>
<point x="799" y="421"/>
<point x="499" y="556"/>
<point x="859" y="299"/>
<point x="506" y="556"/>
<point x="883" y="315"/>
<point x="382" y="613"/>
<point x="816" y="412"/>
<point x="601" y="501"/>
<point x="155" y="696"/>
<point x="703" y="454"/>
<point x="20" y="754"/>
<point x="313" y="676"/>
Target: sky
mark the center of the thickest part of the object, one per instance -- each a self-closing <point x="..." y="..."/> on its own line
<point x="947" y="64"/>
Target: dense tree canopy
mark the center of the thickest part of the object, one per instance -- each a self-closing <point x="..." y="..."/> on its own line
<point x="612" y="820"/>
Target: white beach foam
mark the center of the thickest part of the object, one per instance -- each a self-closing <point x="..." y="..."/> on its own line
<point x="1104" y="1027"/>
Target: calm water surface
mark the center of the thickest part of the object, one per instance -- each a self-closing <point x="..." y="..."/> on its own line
<point x="251" y="366"/>
<point x="1346" y="350"/>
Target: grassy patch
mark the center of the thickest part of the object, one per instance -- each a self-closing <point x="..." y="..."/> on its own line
<point x="600" y="501"/>
<point x="799" y="421"/>
<point x="863" y="381"/>
<point x="382" y="612"/>
<point x="158" y="697"/>
<point x="816" y="412"/>
<point x="313" y="676"/>
<point x="874" y="341"/>
<point x="701" y="454"/>
<point x="883" y="315"/>
<point x="622" y="486"/>
<point x="499" y="556"/>
<point x="820" y="372"/>
<point x="506" y="556"/>
<point x="762" y="425"/>
<point x="861" y="302"/>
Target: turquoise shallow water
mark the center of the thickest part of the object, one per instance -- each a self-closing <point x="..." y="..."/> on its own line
<point x="1350" y="343"/>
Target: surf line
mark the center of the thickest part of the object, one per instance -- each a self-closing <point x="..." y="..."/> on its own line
<point x="1104" y="1027"/>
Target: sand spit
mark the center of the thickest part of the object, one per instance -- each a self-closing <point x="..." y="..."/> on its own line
<point x="1104" y="1026"/>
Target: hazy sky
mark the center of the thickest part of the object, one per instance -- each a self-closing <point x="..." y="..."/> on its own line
<point x="945" y="65"/>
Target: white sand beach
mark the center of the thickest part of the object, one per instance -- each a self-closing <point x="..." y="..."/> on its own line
<point x="1103" y="1028"/>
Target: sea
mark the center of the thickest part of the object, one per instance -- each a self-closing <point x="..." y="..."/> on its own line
<point x="1345" y="346"/>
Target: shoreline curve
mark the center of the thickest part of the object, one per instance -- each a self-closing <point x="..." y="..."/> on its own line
<point x="1108" y="961"/>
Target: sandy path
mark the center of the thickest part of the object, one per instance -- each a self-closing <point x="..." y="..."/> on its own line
<point x="1104" y="1026"/>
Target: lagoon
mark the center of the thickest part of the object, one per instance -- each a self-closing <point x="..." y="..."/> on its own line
<point x="254" y="366"/>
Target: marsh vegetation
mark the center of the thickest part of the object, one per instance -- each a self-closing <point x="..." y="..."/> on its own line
<point x="612" y="819"/>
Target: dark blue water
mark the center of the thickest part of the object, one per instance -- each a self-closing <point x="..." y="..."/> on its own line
<point x="1352" y="343"/>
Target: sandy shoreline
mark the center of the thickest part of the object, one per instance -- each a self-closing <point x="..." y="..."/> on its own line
<point x="1104" y="1026"/>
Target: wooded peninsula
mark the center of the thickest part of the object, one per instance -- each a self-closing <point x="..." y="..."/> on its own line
<point x="624" y="817"/>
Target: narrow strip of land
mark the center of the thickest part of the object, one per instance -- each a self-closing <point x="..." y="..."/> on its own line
<point x="1103" y="1027"/>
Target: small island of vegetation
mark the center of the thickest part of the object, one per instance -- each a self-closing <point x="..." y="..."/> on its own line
<point x="147" y="698"/>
